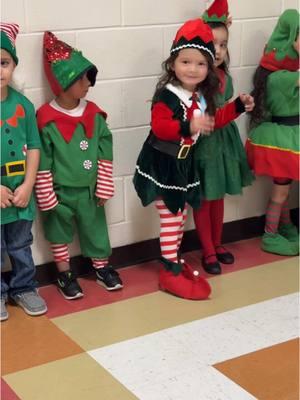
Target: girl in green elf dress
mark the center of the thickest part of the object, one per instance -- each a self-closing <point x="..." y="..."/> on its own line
<point x="220" y="158"/>
<point x="273" y="144"/>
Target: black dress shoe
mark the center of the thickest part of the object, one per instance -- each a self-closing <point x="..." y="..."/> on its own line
<point x="226" y="257"/>
<point x="213" y="268"/>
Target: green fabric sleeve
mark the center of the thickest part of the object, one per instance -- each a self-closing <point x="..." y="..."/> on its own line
<point x="46" y="159"/>
<point x="105" y="144"/>
<point x="32" y="132"/>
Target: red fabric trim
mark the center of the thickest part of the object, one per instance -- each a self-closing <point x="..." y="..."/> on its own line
<point x="270" y="62"/>
<point x="224" y="115"/>
<point x="222" y="78"/>
<point x="272" y="162"/>
<point x="67" y="124"/>
<point x="194" y="28"/>
<point x="218" y="8"/>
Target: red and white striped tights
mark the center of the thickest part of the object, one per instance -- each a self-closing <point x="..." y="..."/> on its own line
<point x="61" y="254"/>
<point x="171" y="230"/>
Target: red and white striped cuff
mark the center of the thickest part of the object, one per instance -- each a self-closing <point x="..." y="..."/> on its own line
<point x="105" y="183"/>
<point x="45" y="195"/>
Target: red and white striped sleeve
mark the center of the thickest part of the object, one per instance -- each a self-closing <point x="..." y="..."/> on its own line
<point x="45" y="195"/>
<point x="105" y="183"/>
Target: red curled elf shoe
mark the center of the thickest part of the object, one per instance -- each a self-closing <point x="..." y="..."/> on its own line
<point x="182" y="281"/>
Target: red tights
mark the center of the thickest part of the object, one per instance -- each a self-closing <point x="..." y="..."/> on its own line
<point x="209" y="225"/>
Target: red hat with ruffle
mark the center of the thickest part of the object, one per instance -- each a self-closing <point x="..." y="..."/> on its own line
<point x="194" y="34"/>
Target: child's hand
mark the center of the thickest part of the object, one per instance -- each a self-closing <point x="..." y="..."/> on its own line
<point x="101" y="202"/>
<point x="22" y="195"/>
<point x="201" y="124"/>
<point x="6" y="197"/>
<point x="248" y="102"/>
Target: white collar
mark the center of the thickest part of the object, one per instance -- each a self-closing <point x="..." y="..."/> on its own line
<point x="185" y="96"/>
<point x="75" y="112"/>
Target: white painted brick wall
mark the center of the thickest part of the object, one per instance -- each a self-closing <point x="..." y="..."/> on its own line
<point x="128" y="40"/>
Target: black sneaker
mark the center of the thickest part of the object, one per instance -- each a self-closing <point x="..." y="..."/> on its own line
<point x="109" y="278"/>
<point x="68" y="285"/>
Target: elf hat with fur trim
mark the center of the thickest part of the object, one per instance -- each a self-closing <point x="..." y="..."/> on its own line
<point x="64" y="65"/>
<point x="279" y="52"/>
<point x="217" y="12"/>
<point x="8" y="37"/>
<point x="194" y="34"/>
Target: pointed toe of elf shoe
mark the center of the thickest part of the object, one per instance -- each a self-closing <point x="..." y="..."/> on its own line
<point x="213" y="267"/>
<point x="187" y="284"/>
<point x="277" y="244"/>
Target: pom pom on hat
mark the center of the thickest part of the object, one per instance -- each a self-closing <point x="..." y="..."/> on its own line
<point x="9" y="33"/>
<point x="279" y="52"/>
<point x="194" y="34"/>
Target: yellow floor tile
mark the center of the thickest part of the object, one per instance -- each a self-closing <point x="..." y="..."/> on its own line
<point x="74" y="378"/>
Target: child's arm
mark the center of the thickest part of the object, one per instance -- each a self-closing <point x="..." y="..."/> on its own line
<point x="23" y="192"/>
<point x="105" y="183"/>
<point x="45" y="195"/>
<point x="6" y="197"/>
<point x="232" y="110"/>
<point x="165" y="127"/>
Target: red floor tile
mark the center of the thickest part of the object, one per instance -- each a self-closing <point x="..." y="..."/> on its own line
<point x="6" y="392"/>
<point x="142" y="279"/>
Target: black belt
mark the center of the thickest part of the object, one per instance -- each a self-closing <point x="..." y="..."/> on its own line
<point x="171" y="148"/>
<point x="292" y="120"/>
<point x="13" y="168"/>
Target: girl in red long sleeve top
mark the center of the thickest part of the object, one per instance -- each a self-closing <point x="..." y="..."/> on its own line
<point x="182" y="109"/>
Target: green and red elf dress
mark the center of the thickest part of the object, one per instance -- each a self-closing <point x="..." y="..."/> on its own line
<point x="75" y="171"/>
<point x="164" y="167"/>
<point x="273" y="146"/>
<point x="220" y="158"/>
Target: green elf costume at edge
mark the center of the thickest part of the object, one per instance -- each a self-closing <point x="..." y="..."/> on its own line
<point x="273" y="143"/>
<point x="76" y="161"/>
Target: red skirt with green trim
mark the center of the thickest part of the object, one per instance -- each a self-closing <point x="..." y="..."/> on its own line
<point x="273" y="150"/>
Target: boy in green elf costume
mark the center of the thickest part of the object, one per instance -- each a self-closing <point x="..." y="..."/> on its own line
<point x="20" y="155"/>
<point x="75" y="173"/>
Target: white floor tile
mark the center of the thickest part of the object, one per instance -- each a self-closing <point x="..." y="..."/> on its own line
<point x="175" y="363"/>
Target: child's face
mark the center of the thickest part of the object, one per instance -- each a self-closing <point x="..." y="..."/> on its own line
<point x="79" y="89"/>
<point x="191" y="68"/>
<point x="221" y="44"/>
<point x="7" y="68"/>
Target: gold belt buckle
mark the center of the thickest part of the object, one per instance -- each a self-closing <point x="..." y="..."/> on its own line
<point x="9" y="164"/>
<point x="184" y="151"/>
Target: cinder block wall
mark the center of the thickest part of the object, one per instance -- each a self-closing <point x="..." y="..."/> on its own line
<point x="128" y="40"/>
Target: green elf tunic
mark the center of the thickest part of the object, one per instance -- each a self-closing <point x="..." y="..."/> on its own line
<point x="71" y="147"/>
<point x="273" y="146"/>
<point x="220" y="158"/>
<point x="19" y="133"/>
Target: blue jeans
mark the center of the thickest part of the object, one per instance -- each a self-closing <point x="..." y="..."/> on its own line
<point x="16" y="239"/>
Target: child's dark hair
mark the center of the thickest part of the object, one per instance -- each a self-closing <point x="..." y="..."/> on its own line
<point x="259" y="112"/>
<point x="215" y="25"/>
<point x="209" y="87"/>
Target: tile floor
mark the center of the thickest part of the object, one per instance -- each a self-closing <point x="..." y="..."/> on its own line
<point x="141" y="343"/>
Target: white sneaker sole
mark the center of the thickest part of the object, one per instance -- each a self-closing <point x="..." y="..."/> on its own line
<point x="117" y="287"/>
<point x="33" y="313"/>
<point x="78" y="295"/>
